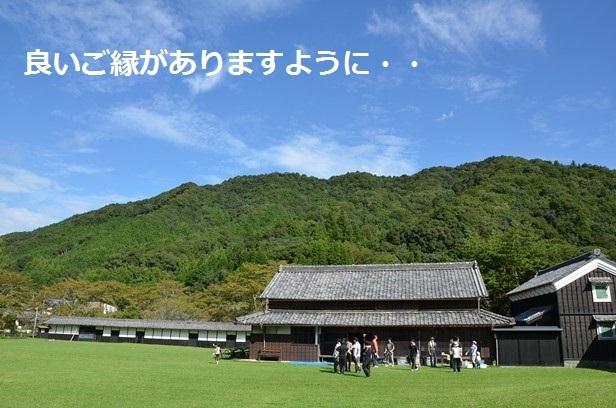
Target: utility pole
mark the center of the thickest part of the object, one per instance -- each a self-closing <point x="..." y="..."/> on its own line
<point x="35" y="321"/>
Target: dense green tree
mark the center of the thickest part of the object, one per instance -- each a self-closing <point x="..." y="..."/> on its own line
<point x="513" y="215"/>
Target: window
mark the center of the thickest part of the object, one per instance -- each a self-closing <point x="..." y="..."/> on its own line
<point x="601" y="292"/>
<point x="606" y="330"/>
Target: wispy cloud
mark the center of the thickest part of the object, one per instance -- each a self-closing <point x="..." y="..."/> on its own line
<point x="479" y="87"/>
<point x="444" y="117"/>
<point x="554" y="136"/>
<point x="174" y="122"/>
<point x="85" y="169"/>
<point x="79" y="25"/>
<point x="21" y="219"/>
<point x="141" y="24"/>
<point x="201" y="83"/>
<point x="19" y="180"/>
<point x="317" y="153"/>
<point x="464" y="26"/>
<point x="382" y="25"/>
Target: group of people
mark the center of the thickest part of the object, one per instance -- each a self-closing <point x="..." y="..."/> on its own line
<point x="347" y="353"/>
<point x="455" y="353"/>
<point x="364" y="355"/>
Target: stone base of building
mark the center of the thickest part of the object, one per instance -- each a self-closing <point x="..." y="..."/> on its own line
<point x="589" y="364"/>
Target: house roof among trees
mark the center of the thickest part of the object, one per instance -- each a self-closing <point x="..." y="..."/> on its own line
<point x="418" y="281"/>
<point x="147" y="323"/>
<point x="544" y="280"/>
<point x="378" y="318"/>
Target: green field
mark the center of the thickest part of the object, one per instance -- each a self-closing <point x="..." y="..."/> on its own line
<point x="62" y="374"/>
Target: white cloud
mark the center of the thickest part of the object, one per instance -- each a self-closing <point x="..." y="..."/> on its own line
<point x="18" y="180"/>
<point x="84" y="169"/>
<point x="464" y="25"/>
<point x="140" y="24"/>
<point x="382" y="25"/>
<point x="318" y="154"/>
<point x="478" y="87"/>
<point x="21" y="219"/>
<point x="174" y="122"/>
<point x="79" y="25"/>
<point x="553" y="136"/>
<point x="201" y="83"/>
<point x="445" y="116"/>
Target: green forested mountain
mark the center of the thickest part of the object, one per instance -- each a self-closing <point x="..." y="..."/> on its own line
<point x="513" y="215"/>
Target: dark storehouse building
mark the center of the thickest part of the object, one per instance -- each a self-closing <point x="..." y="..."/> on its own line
<point x="310" y="307"/>
<point x="570" y="307"/>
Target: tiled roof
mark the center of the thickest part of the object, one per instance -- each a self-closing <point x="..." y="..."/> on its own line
<point x="378" y="318"/>
<point x="146" y="323"/>
<point x="555" y="273"/>
<point x="455" y="280"/>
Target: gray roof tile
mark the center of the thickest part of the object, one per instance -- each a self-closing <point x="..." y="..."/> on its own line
<point x="147" y="323"/>
<point x="455" y="280"/>
<point x="378" y="318"/>
<point x="553" y="274"/>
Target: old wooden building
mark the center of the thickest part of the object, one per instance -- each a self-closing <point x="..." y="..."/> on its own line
<point x="310" y="307"/>
<point x="172" y="332"/>
<point x="575" y="300"/>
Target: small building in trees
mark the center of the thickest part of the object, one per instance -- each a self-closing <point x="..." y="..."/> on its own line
<point x="171" y="332"/>
<point x="569" y="308"/>
<point x="309" y="307"/>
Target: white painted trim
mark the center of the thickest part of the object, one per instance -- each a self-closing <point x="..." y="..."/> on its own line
<point x="594" y="296"/>
<point x="584" y="270"/>
<point x="613" y="337"/>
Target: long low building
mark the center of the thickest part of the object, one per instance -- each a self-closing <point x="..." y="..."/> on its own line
<point x="173" y="332"/>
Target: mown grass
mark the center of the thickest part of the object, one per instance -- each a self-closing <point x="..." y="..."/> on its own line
<point x="63" y="374"/>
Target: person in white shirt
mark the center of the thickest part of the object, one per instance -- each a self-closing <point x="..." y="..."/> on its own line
<point x="356" y="353"/>
<point x="456" y="351"/>
<point x="336" y="355"/>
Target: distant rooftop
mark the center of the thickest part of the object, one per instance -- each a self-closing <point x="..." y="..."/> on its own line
<point x="146" y="323"/>
<point x="545" y="278"/>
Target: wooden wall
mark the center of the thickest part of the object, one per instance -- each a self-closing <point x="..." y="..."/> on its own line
<point x="576" y="307"/>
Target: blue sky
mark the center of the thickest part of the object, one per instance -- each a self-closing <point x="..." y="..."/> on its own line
<point x="501" y="77"/>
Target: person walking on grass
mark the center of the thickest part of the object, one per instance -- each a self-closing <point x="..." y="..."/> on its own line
<point x="217" y="352"/>
<point x="432" y="352"/>
<point x="342" y="356"/>
<point x="472" y="351"/>
<point x="336" y="355"/>
<point x="388" y="354"/>
<point x="366" y="359"/>
<point x="451" y="353"/>
<point x="349" y="355"/>
<point x="457" y="356"/>
<point x="375" y="351"/>
<point x="356" y="353"/>
<point x="413" y="355"/>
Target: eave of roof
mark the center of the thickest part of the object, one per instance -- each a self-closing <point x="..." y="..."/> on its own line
<point x="378" y="318"/>
<point x="146" y="323"/>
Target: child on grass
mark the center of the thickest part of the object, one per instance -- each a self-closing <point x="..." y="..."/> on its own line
<point x="216" y="353"/>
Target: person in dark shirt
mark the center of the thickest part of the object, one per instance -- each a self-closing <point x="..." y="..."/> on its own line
<point x="366" y="359"/>
<point x="342" y="356"/>
<point x="413" y="354"/>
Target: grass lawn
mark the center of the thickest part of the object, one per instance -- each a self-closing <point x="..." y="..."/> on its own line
<point x="62" y="374"/>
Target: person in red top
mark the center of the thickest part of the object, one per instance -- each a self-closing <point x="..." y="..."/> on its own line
<point x="375" y="350"/>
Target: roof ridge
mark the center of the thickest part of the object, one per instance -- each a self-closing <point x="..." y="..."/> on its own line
<point x="293" y="266"/>
<point x="589" y="256"/>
